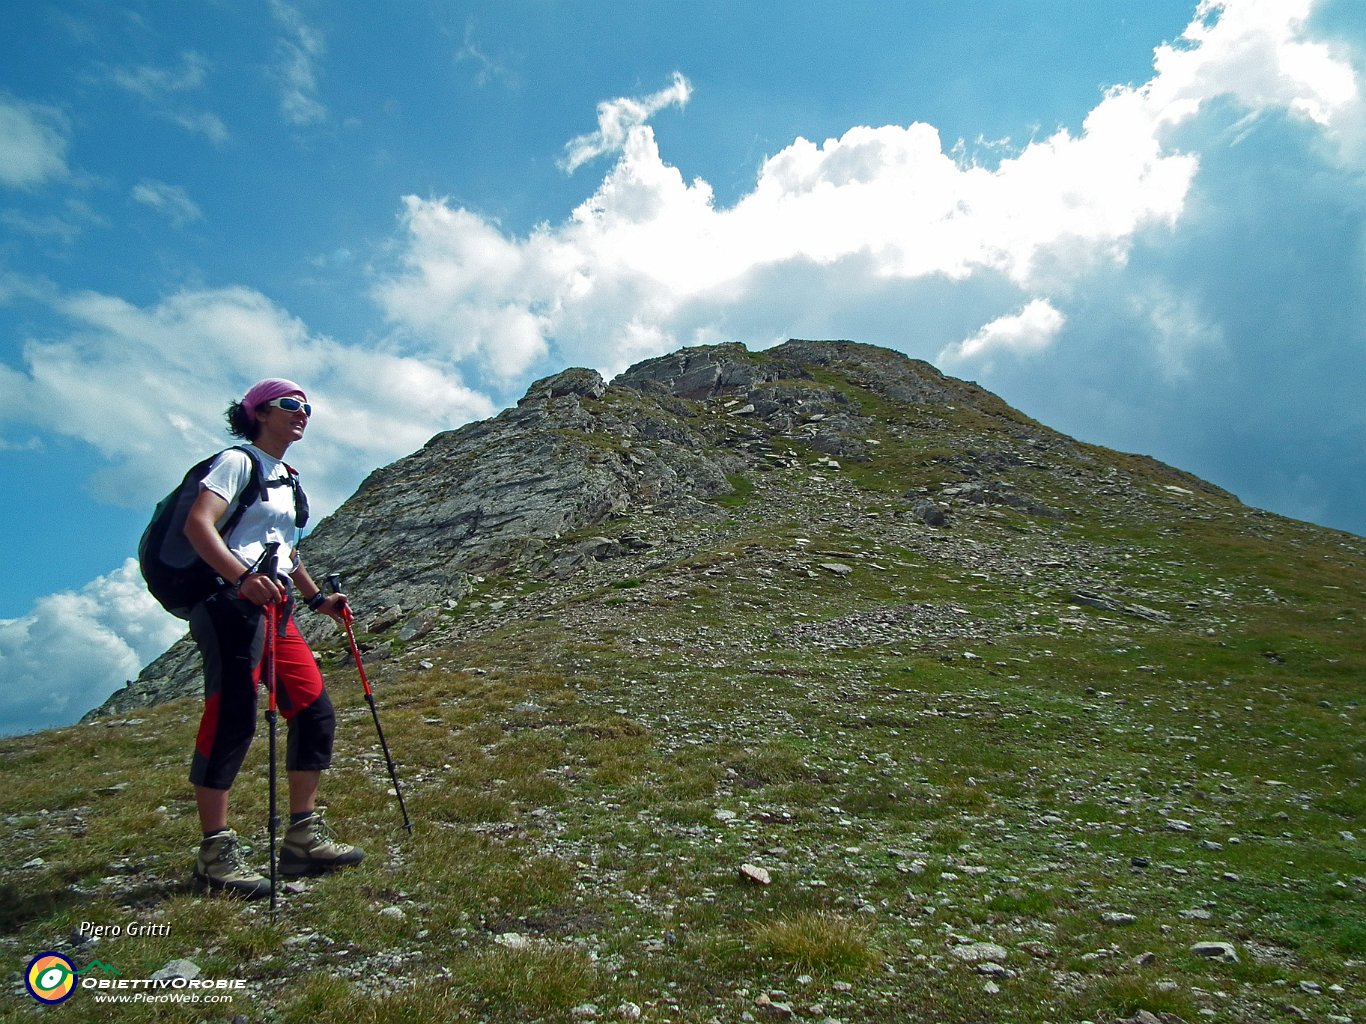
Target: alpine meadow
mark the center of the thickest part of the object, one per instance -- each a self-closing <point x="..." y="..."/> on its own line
<point x="807" y="683"/>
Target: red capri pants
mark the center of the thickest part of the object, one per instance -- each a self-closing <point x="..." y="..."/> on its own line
<point x="231" y="636"/>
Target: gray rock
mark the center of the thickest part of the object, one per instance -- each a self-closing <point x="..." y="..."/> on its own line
<point x="420" y="624"/>
<point x="1224" y="951"/>
<point x="980" y="952"/>
<point x="754" y="873"/>
<point x="929" y="513"/>
<point x="187" y="969"/>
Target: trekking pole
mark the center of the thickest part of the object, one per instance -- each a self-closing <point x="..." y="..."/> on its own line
<point x="270" y="567"/>
<point x="334" y="580"/>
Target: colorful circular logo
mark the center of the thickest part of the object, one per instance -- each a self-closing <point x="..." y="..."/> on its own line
<point x="51" y="978"/>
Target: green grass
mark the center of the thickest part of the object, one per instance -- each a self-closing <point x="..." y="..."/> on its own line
<point x="941" y="747"/>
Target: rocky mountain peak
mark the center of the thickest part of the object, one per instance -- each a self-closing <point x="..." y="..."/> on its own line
<point x="581" y="472"/>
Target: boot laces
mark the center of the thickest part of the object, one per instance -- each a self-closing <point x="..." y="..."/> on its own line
<point x="232" y="853"/>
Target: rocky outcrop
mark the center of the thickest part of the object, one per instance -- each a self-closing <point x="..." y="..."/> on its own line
<point x="551" y="485"/>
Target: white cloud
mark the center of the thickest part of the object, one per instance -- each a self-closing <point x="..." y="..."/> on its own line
<point x="155" y="84"/>
<point x="618" y="118"/>
<point x="146" y="387"/>
<point x="76" y="648"/>
<point x="1032" y="329"/>
<point x="161" y="88"/>
<point x="1256" y="52"/>
<point x="171" y="200"/>
<point x="47" y="227"/>
<point x="488" y="68"/>
<point x="298" y="54"/>
<point x="33" y="143"/>
<point x="649" y="261"/>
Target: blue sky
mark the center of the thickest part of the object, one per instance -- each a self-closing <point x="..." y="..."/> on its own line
<point x="1142" y="223"/>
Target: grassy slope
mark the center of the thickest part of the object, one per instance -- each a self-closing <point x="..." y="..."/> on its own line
<point x="939" y="746"/>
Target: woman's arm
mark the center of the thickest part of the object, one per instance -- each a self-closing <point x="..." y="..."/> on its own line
<point x="202" y="533"/>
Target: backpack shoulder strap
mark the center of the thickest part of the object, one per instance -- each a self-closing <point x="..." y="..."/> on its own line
<point x="290" y="480"/>
<point x="251" y="493"/>
<point x="300" y="498"/>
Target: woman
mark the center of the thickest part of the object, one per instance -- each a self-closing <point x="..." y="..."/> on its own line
<point x="229" y="628"/>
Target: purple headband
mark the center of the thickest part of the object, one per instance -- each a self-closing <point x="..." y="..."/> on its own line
<point x="263" y="391"/>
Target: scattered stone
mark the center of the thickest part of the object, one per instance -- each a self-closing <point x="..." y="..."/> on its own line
<point x="513" y="940"/>
<point x="186" y="969"/>
<point x="1117" y="918"/>
<point x="772" y="1009"/>
<point x="1224" y="951"/>
<point x="929" y="513"/>
<point x="393" y="913"/>
<point x="980" y="952"/>
<point x="629" y="1011"/>
<point x="754" y="873"/>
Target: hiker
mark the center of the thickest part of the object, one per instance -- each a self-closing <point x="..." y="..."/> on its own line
<point x="229" y="627"/>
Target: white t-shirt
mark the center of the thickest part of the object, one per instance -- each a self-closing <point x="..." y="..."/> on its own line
<point x="269" y="519"/>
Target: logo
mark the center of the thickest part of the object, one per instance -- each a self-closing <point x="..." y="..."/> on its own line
<point x="51" y="978"/>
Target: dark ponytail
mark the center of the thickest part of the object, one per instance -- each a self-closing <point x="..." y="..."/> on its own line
<point x="238" y="423"/>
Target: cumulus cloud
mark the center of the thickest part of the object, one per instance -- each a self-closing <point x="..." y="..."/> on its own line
<point x="171" y="200"/>
<point x="146" y="386"/>
<point x="618" y="118"/>
<point x="1257" y="52"/>
<point x="1033" y="328"/>
<point x="649" y="261"/>
<point x="76" y="648"/>
<point x="33" y="143"/>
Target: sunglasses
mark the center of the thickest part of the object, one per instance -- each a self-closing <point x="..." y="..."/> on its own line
<point x="292" y="405"/>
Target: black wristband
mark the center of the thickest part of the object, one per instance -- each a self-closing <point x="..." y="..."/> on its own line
<point x="242" y="579"/>
<point x="316" y="601"/>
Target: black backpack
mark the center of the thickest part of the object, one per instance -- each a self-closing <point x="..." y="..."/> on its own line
<point x="176" y="576"/>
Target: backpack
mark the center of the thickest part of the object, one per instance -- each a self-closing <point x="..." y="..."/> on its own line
<point x="176" y="576"/>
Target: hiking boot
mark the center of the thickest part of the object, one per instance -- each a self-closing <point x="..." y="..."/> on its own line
<point x="222" y="866"/>
<point x="310" y="848"/>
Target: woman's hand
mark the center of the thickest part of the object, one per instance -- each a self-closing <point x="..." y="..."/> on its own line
<point x="333" y="606"/>
<point x="260" y="589"/>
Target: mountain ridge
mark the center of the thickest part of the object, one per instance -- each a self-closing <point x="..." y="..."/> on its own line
<point x="415" y="531"/>
<point x="674" y="431"/>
